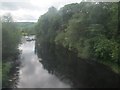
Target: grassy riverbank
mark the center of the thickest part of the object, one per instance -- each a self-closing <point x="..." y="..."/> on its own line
<point x="10" y="41"/>
<point x="5" y="74"/>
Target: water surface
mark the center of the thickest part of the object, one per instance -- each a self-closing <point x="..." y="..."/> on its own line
<point x="51" y="66"/>
<point x="32" y="74"/>
<point x="79" y="72"/>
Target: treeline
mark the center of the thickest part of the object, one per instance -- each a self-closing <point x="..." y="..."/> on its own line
<point x="10" y="51"/>
<point x="88" y="28"/>
<point x="27" y="28"/>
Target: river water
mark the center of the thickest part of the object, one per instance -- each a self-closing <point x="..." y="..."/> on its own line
<point x="31" y="72"/>
<point x="50" y="66"/>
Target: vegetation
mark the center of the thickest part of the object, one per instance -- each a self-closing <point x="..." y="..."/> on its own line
<point x="88" y="28"/>
<point x="10" y="52"/>
<point x="0" y="54"/>
<point x="65" y="64"/>
<point x="27" y="28"/>
<point x="0" y="75"/>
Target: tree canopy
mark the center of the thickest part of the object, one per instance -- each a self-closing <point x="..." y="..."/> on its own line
<point x="10" y="43"/>
<point x="89" y="28"/>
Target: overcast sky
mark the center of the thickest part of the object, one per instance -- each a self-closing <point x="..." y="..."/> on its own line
<point x="30" y="10"/>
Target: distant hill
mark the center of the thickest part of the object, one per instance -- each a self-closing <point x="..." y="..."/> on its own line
<point x="25" y="24"/>
<point x="26" y="27"/>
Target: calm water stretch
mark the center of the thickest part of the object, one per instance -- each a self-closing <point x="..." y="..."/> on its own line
<point x="32" y="74"/>
<point x="51" y="66"/>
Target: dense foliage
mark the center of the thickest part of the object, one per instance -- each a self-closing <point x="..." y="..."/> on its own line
<point x="88" y="28"/>
<point x="10" y="41"/>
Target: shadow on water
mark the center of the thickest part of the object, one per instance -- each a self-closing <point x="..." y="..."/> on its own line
<point x="80" y="73"/>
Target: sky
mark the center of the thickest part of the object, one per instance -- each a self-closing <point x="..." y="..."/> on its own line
<point x="30" y="10"/>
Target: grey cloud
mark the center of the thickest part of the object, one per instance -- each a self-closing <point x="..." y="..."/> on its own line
<point x="28" y="17"/>
<point x="38" y="8"/>
<point x="17" y="5"/>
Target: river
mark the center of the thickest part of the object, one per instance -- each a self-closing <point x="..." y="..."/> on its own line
<point x="31" y="72"/>
<point x="50" y="66"/>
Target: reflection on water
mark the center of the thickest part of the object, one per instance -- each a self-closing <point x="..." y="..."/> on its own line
<point x="80" y="73"/>
<point x="32" y="74"/>
<point x="57" y="67"/>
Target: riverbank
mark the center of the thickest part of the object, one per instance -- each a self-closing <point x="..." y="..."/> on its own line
<point x="81" y="73"/>
<point x="112" y="66"/>
<point x="115" y="67"/>
<point x="8" y="71"/>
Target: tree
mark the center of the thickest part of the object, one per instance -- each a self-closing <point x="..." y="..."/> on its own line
<point x="91" y="28"/>
<point x="11" y="37"/>
<point x="7" y="18"/>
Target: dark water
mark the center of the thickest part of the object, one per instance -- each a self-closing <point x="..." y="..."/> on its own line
<point x="57" y="67"/>
<point x="80" y="73"/>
